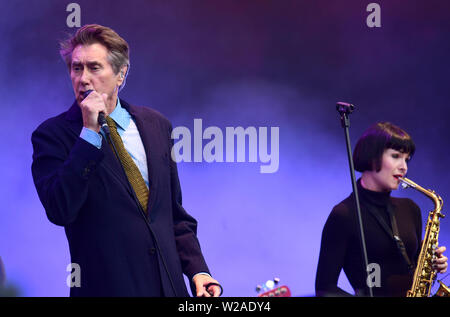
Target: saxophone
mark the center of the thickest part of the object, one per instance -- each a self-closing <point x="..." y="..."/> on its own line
<point x="425" y="275"/>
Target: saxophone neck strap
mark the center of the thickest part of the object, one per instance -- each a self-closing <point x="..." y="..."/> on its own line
<point x="393" y="233"/>
<point x="398" y="240"/>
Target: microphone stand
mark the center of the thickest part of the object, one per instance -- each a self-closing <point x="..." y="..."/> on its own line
<point x="344" y="110"/>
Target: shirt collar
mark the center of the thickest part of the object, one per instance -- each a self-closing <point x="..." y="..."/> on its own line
<point x="120" y="116"/>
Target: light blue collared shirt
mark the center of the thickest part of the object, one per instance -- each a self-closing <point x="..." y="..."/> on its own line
<point x="126" y="127"/>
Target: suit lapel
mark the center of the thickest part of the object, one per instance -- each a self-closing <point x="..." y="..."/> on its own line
<point x="112" y="165"/>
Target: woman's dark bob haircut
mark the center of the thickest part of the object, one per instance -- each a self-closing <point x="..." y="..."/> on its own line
<point x="379" y="137"/>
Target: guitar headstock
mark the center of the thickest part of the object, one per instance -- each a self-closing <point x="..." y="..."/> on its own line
<point x="271" y="288"/>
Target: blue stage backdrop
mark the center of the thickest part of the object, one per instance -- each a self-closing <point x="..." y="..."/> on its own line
<point x="234" y="63"/>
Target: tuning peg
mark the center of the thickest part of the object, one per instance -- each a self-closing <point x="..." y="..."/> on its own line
<point x="258" y="288"/>
<point x="269" y="284"/>
<point x="276" y="280"/>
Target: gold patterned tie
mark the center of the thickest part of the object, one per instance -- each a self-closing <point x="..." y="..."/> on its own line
<point x="134" y="175"/>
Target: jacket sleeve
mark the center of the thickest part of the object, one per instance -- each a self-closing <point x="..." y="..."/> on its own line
<point x="185" y="228"/>
<point x="61" y="173"/>
<point x="333" y="247"/>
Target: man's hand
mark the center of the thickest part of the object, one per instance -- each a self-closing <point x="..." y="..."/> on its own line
<point x="90" y="108"/>
<point x="440" y="262"/>
<point x="201" y="281"/>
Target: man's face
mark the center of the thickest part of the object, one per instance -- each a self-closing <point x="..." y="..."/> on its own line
<point x="90" y="69"/>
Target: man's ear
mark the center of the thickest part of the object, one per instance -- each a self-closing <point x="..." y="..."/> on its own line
<point x="122" y="73"/>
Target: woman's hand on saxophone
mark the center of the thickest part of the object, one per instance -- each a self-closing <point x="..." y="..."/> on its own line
<point x="440" y="261"/>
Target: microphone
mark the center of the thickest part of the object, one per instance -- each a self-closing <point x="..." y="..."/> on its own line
<point x="101" y="116"/>
<point x="343" y="107"/>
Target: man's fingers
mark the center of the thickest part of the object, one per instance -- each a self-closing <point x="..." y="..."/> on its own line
<point x="200" y="289"/>
<point x="202" y="292"/>
<point x="214" y="290"/>
<point x="105" y="101"/>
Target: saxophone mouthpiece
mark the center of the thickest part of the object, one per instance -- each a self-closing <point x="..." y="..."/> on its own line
<point x="402" y="182"/>
<point x="406" y="182"/>
<point x="404" y="185"/>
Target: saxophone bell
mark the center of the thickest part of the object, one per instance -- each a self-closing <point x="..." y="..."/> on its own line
<point x="443" y="291"/>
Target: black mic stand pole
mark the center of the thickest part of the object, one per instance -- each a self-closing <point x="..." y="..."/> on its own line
<point x="344" y="110"/>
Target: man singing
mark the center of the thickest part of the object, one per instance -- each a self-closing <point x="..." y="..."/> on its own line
<point x="117" y="194"/>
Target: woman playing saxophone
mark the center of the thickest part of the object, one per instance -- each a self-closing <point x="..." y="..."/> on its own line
<point x="392" y="226"/>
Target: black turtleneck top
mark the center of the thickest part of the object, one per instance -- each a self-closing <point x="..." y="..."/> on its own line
<point x="341" y="248"/>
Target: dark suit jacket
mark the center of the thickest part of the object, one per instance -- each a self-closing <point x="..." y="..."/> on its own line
<point x="84" y="189"/>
